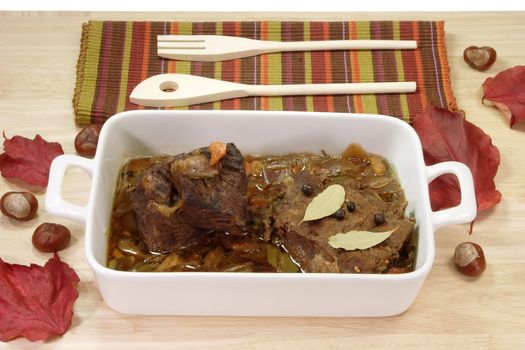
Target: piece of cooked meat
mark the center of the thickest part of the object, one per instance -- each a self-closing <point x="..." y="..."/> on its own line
<point x="212" y="197"/>
<point x="307" y="242"/>
<point x="177" y="200"/>
<point x="156" y="208"/>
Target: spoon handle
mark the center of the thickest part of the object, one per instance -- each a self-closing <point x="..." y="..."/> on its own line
<point x="331" y="89"/>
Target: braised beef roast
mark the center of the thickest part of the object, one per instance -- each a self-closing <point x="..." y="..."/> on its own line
<point x="307" y="242"/>
<point x="245" y="214"/>
<point x="370" y="191"/>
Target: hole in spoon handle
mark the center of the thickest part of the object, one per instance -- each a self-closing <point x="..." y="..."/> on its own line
<point x="168" y="86"/>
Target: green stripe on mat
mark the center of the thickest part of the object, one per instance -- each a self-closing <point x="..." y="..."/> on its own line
<point x="275" y="66"/>
<point x="400" y="74"/>
<point x="90" y="70"/>
<point x="366" y="71"/>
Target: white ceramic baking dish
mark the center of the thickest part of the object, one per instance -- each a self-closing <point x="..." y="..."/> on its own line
<point x="257" y="294"/>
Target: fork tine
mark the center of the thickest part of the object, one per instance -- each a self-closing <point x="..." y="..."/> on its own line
<point x="167" y="43"/>
<point x="174" y="54"/>
<point x="180" y="45"/>
<point x="180" y="38"/>
<point x="186" y="54"/>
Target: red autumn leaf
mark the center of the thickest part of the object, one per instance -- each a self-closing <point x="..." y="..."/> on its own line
<point x="447" y="136"/>
<point x="506" y="91"/>
<point x="28" y="160"/>
<point x="36" y="302"/>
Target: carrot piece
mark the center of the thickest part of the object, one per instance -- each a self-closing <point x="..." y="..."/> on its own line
<point x="257" y="202"/>
<point x="117" y="253"/>
<point x="217" y="151"/>
<point x="248" y="168"/>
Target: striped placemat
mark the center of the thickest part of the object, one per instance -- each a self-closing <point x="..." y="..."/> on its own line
<point x="116" y="56"/>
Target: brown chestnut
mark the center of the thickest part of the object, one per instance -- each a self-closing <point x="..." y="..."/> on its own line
<point x="469" y="259"/>
<point x="87" y="139"/>
<point x="19" y="205"/>
<point x="479" y="58"/>
<point x="50" y="237"/>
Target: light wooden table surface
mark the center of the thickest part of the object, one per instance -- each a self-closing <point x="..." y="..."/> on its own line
<point x="38" y="54"/>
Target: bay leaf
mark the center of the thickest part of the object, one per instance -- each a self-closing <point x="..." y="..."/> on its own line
<point x="325" y="203"/>
<point x="353" y="240"/>
<point x="280" y="260"/>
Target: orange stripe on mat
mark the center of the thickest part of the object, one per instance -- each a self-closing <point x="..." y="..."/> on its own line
<point x="145" y="55"/>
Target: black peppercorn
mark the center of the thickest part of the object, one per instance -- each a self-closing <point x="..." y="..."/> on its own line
<point x="307" y="189"/>
<point x="340" y="214"/>
<point x="379" y="219"/>
<point x="350" y="206"/>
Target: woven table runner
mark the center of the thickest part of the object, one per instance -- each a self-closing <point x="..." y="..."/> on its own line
<point x="116" y="56"/>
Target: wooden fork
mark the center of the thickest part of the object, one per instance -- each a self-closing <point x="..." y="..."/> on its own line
<point x="219" y="48"/>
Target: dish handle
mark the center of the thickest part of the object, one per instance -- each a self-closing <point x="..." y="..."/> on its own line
<point x="467" y="209"/>
<point x="55" y="204"/>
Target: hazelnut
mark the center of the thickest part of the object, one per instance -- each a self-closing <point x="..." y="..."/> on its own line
<point x="19" y="205"/>
<point x="87" y="139"/>
<point x="469" y="259"/>
<point x="50" y="237"/>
